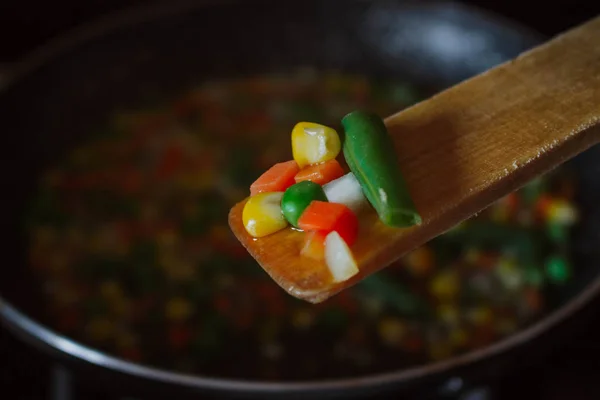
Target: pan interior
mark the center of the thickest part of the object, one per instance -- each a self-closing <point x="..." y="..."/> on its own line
<point x="396" y="54"/>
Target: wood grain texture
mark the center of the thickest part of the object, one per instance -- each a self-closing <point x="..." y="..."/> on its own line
<point x="460" y="151"/>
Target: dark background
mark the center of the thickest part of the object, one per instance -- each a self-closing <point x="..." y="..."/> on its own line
<point x="570" y="372"/>
<point x="25" y="23"/>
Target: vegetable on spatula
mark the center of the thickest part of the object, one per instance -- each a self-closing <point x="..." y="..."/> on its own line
<point x="459" y="152"/>
<point x="369" y="152"/>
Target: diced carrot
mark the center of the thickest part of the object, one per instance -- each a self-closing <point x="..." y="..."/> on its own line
<point x="276" y="179"/>
<point x="314" y="245"/>
<point x="320" y="173"/>
<point x="328" y="217"/>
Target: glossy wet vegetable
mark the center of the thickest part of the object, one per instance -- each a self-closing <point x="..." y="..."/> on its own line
<point x="346" y="190"/>
<point x="263" y="215"/>
<point x="338" y="256"/>
<point x="369" y="152"/>
<point x="329" y="217"/>
<point x="276" y="179"/>
<point x="321" y="173"/>
<point x="298" y="197"/>
<point x="314" y="245"/>
<point x="314" y="143"/>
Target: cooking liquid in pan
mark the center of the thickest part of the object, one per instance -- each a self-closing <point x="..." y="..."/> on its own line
<point x="129" y="239"/>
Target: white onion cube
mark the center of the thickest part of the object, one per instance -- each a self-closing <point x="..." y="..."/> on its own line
<point x="346" y="190"/>
<point x="339" y="258"/>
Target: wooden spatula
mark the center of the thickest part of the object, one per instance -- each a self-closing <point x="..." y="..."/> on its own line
<point x="460" y="151"/>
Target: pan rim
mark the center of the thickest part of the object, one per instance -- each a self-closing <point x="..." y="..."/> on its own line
<point x="40" y="335"/>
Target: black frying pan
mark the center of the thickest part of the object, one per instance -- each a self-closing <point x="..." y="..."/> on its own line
<point x="64" y="89"/>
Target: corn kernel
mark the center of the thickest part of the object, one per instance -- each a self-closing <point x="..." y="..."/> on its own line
<point x="561" y="212"/>
<point x="314" y="143"/>
<point x="262" y="214"/>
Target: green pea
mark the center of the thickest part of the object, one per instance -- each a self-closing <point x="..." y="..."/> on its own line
<point x="297" y="197"/>
<point x="369" y="152"/>
<point x="557" y="269"/>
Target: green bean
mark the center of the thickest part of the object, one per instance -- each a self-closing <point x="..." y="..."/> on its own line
<point x="369" y="152"/>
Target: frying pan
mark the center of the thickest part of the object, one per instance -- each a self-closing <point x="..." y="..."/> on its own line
<point x="72" y="85"/>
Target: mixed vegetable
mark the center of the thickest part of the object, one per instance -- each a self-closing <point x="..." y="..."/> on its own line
<point x="329" y="217"/>
<point x="129" y="239"/>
